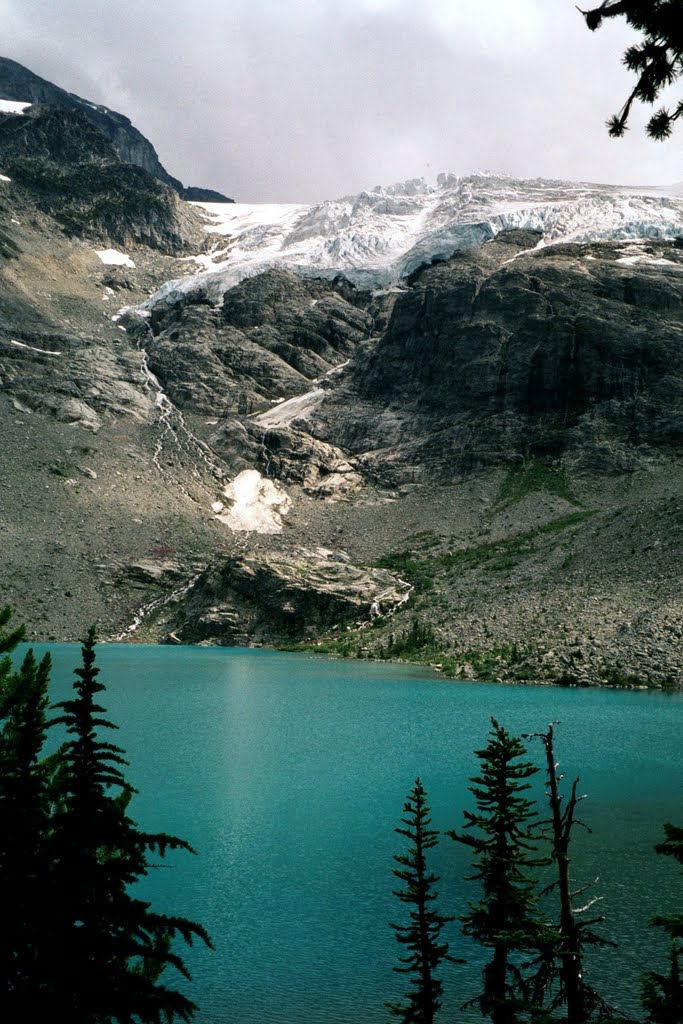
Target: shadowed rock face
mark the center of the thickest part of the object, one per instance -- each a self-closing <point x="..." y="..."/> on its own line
<point x="495" y="356"/>
<point x="72" y="171"/>
<point x="273" y="335"/>
<point x="52" y="133"/>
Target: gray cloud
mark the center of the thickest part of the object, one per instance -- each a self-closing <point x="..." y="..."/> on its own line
<point x="308" y="99"/>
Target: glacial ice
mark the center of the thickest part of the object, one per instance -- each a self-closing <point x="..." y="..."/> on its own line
<point x="380" y="236"/>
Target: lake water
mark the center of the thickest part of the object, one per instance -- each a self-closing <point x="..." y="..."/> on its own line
<point x="288" y="773"/>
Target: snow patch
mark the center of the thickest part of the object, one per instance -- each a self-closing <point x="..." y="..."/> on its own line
<point x="32" y="348"/>
<point x="284" y="412"/>
<point x="236" y="218"/>
<point x="641" y="258"/>
<point x="114" y="258"/>
<point x="14" y="106"/>
<point x="255" y="503"/>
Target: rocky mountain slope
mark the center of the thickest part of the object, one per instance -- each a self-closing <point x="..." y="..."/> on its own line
<point x="471" y="458"/>
<point x="19" y="84"/>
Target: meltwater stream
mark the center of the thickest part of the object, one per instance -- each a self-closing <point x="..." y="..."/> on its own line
<point x="287" y="773"/>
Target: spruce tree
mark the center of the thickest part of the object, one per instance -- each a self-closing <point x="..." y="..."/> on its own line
<point x="500" y="834"/>
<point x="663" y="993"/>
<point x="422" y="935"/>
<point x="24" y="828"/>
<point x="109" y="947"/>
<point x="657" y="60"/>
<point x="9" y="640"/>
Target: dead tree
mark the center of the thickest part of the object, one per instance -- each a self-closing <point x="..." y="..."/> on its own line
<point x="561" y="970"/>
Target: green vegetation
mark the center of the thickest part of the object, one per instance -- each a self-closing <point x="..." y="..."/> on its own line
<point x="488" y="663"/>
<point x="90" y="198"/>
<point x="501" y="835"/>
<point x="532" y="477"/>
<point x="491" y="555"/>
<point x="413" y="642"/>
<point x="418" y="642"/>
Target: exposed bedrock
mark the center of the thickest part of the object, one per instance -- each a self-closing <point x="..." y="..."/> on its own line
<point x="494" y="357"/>
<point x="278" y="594"/>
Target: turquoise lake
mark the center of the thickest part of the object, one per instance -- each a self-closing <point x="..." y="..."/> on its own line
<point x="287" y="773"/>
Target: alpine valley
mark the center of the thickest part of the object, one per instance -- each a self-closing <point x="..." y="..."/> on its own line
<point x="434" y="421"/>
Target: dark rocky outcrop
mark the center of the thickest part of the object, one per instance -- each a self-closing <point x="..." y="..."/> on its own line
<point x="55" y="134"/>
<point x="273" y="335"/>
<point x="493" y="357"/>
<point x="109" y="203"/>
<point x="193" y="194"/>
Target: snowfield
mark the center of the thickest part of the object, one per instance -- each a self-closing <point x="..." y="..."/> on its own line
<point x="378" y="237"/>
<point x="114" y="258"/>
<point x="14" y="106"/>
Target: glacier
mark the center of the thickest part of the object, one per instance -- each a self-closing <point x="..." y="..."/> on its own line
<point x="378" y="237"/>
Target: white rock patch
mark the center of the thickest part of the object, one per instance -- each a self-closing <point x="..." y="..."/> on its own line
<point x="284" y="412"/>
<point x="258" y="504"/>
<point x="114" y="258"/>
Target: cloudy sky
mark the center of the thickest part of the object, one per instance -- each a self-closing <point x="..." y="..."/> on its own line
<point x="302" y="100"/>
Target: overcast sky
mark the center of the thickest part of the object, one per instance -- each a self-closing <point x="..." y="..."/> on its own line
<point x="303" y="100"/>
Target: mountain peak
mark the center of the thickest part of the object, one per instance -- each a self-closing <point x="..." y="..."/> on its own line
<point x="18" y="83"/>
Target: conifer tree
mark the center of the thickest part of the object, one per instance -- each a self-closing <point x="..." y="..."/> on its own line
<point x="663" y="993"/>
<point x="24" y="827"/>
<point x="422" y="935"/>
<point x="500" y="834"/>
<point x="657" y="60"/>
<point x="109" y="947"/>
<point x="8" y="642"/>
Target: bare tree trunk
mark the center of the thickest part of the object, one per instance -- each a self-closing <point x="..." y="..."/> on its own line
<point x="570" y="951"/>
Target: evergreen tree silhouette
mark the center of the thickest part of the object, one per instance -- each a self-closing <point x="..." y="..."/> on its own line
<point x="422" y="935"/>
<point x="663" y="993"/>
<point x="657" y="59"/>
<point x="110" y="948"/>
<point x="500" y="834"/>
<point x="24" y="824"/>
